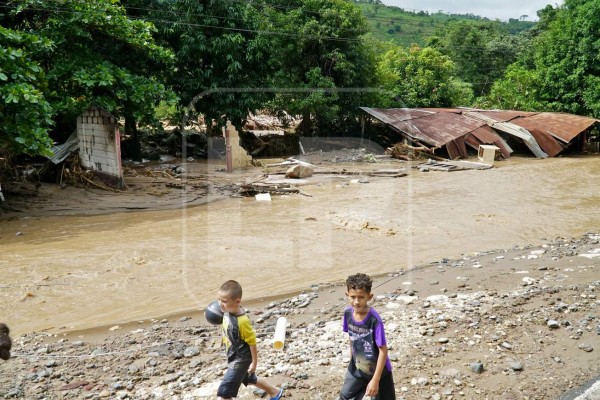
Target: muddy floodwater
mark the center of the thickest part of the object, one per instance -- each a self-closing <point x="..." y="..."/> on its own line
<point x="64" y="273"/>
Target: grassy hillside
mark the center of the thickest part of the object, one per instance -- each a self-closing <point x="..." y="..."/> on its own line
<point x="389" y="23"/>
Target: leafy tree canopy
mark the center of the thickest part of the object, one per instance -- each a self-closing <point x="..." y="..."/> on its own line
<point x="567" y="58"/>
<point x="422" y="77"/>
<point x="95" y="54"/>
<point x="562" y="70"/>
<point x="517" y="90"/>
<point x="481" y="51"/>
<point x="319" y="44"/>
<point x="216" y="46"/>
<point x="25" y="115"/>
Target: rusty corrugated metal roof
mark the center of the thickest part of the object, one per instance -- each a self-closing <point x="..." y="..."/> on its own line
<point x="486" y="135"/>
<point x="522" y="134"/>
<point x="549" y="144"/>
<point x="433" y="128"/>
<point x="503" y="115"/>
<point x="442" y="127"/>
<point x="392" y="115"/>
<point x="452" y="127"/>
<point x="564" y="127"/>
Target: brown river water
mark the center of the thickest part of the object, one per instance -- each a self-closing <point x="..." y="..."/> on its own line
<point x="78" y="272"/>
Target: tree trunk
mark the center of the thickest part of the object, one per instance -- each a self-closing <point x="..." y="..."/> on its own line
<point x="306" y="125"/>
<point x="133" y="147"/>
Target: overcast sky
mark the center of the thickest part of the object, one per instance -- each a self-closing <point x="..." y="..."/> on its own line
<point x="492" y="9"/>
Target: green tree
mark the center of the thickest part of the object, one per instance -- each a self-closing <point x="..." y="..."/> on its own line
<point x="561" y="71"/>
<point x="96" y="55"/>
<point x="567" y="58"/>
<point x="216" y="46"/>
<point x="25" y="115"/>
<point x="517" y="90"/>
<point x="319" y="45"/>
<point x="481" y="51"/>
<point x="422" y="77"/>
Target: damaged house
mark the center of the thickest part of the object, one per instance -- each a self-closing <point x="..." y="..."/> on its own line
<point x="544" y="134"/>
<point x="97" y="141"/>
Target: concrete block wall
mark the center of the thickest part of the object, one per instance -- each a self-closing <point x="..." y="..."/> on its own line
<point x="100" y="143"/>
<point x="239" y="156"/>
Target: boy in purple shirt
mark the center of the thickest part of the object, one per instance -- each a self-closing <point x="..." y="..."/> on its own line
<point x="370" y="371"/>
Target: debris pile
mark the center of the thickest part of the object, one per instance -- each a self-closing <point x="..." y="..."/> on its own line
<point x="406" y="152"/>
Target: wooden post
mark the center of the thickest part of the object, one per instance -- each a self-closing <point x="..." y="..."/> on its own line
<point x="362" y="129"/>
<point x="228" y="160"/>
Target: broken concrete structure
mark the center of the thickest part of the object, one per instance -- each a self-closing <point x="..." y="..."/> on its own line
<point x="100" y="145"/>
<point x="235" y="155"/>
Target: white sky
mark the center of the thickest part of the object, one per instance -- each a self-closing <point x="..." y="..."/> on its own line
<point x="492" y="9"/>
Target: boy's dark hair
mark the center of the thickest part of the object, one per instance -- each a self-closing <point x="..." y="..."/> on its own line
<point x="359" y="281"/>
<point x="232" y="288"/>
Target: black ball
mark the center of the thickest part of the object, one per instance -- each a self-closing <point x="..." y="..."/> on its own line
<point x="213" y="313"/>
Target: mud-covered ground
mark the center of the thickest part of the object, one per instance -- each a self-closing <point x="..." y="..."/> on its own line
<point x="164" y="184"/>
<point x="520" y="323"/>
<point x="515" y="323"/>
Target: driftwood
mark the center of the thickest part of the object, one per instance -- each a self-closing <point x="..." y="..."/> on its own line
<point x="291" y="161"/>
<point x="251" y="189"/>
<point x="449" y="166"/>
<point x="390" y="173"/>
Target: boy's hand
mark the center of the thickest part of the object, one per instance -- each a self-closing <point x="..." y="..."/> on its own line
<point x="372" y="388"/>
<point x="252" y="368"/>
<point x="252" y="379"/>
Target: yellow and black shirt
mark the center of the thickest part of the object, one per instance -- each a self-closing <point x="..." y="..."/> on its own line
<point x="238" y="336"/>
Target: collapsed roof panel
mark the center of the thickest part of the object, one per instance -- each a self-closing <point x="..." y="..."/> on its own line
<point x="549" y="144"/>
<point x="545" y="134"/>
<point x="486" y="135"/>
<point x="502" y="115"/>
<point x="564" y="127"/>
<point x="433" y="128"/>
<point x="457" y="148"/>
<point x="391" y="116"/>
<point x="523" y="134"/>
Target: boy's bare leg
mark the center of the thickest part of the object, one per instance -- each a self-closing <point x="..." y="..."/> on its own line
<point x="267" y="387"/>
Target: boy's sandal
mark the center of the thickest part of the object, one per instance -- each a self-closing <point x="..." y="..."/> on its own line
<point x="278" y="396"/>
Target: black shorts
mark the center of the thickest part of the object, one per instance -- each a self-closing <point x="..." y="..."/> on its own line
<point x="237" y="373"/>
<point x="354" y="388"/>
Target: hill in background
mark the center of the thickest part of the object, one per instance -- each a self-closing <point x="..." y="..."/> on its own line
<point x="389" y="23"/>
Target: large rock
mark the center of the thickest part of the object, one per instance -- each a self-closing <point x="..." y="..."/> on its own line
<point x="299" y="171"/>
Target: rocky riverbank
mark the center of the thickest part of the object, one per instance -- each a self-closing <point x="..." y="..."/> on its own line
<point x="520" y="323"/>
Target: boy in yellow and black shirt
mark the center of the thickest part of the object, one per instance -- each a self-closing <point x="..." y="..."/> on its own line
<point x="240" y="341"/>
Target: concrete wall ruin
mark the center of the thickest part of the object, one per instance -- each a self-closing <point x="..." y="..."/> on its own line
<point x="100" y="144"/>
<point x="236" y="155"/>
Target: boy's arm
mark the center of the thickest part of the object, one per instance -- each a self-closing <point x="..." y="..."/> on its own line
<point x="254" y="353"/>
<point x="373" y="386"/>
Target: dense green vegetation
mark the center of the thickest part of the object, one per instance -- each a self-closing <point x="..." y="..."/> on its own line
<point x="317" y="58"/>
<point x="561" y="70"/>
<point x="406" y="28"/>
<point x="58" y="58"/>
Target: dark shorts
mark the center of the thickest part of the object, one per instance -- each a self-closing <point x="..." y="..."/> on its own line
<point x="354" y="388"/>
<point x="237" y="373"/>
